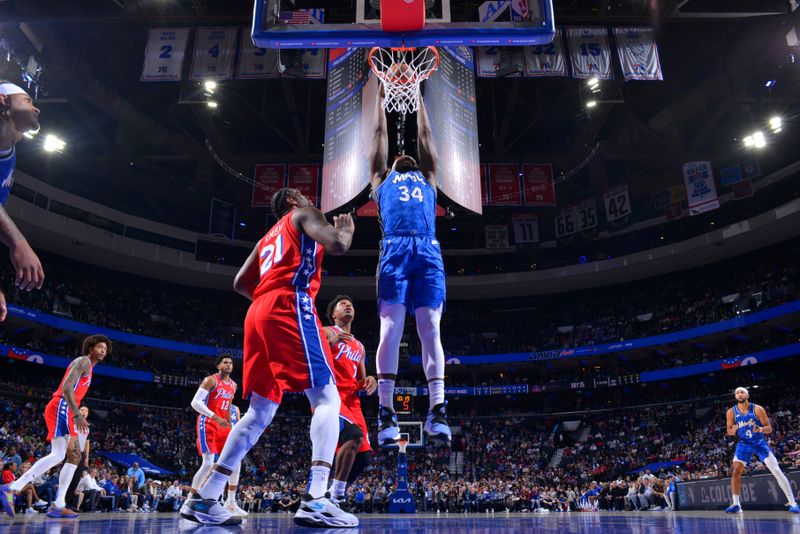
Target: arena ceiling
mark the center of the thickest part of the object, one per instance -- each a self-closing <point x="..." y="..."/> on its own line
<point x="135" y="146"/>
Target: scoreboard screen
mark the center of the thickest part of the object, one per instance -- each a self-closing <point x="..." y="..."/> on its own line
<point x="403" y="404"/>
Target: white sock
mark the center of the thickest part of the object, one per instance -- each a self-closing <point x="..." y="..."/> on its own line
<point x="213" y="487"/>
<point x="231" y="499"/>
<point x="64" y="479"/>
<point x="736" y="499"/>
<point x="318" y="480"/>
<point x="435" y="392"/>
<point x="386" y="392"/>
<point x="338" y="488"/>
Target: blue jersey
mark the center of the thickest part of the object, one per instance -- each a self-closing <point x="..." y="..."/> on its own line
<point x="7" y="163"/>
<point x="406" y="205"/>
<point x="746" y="422"/>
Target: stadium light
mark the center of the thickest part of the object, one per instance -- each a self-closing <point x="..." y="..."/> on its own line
<point x="210" y="85"/>
<point x="591" y="103"/>
<point x="759" y="141"/>
<point x="593" y="81"/>
<point x="54" y="144"/>
<point x="212" y="104"/>
<point x="775" y="123"/>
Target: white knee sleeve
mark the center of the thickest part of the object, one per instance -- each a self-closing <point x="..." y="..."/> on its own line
<point x="203" y="471"/>
<point x="324" y="423"/>
<point x="393" y="318"/>
<point x="246" y="432"/>
<point x="428" y="321"/>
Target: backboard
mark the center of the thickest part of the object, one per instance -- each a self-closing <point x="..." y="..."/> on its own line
<point x="271" y="28"/>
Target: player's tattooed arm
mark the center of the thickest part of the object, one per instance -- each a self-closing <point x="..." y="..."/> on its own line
<point x="77" y="368"/>
<point x="731" y="420"/>
<point x="247" y="278"/>
<point x="379" y="152"/>
<point x="29" y="272"/>
<point x="766" y="425"/>
<point x="336" y="239"/>
<point x="426" y="147"/>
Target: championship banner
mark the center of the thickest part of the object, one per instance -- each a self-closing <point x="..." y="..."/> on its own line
<point x="495" y="58"/>
<point x="751" y="169"/>
<point x="504" y="189"/>
<point x="538" y="185"/>
<point x="673" y="211"/>
<point x="222" y="220"/>
<point x="255" y="63"/>
<point x="526" y="228"/>
<point x="163" y="56"/>
<point x="617" y="203"/>
<point x="267" y="179"/>
<point x="730" y="175"/>
<point x="590" y="53"/>
<point x="305" y="178"/>
<point x="700" y="190"/>
<point x="638" y="53"/>
<point x="546" y="60"/>
<point x="484" y="188"/>
<point x="213" y="54"/>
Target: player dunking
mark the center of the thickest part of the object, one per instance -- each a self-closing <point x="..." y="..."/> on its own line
<point x="63" y="419"/>
<point x="284" y="350"/>
<point x="352" y="456"/>
<point x="410" y="270"/>
<point x="213" y="403"/>
<point x="18" y="116"/>
<point x="750" y="423"/>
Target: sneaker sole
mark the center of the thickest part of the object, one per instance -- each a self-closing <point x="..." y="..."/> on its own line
<point x="316" y="523"/>
<point x="189" y="517"/>
<point x="59" y="516"/>
<point x="210" y="520"/>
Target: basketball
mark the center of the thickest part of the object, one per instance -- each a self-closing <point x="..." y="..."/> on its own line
<point x="400" y="73"/>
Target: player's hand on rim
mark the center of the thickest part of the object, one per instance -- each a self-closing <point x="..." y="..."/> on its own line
<point x="370" y="385"/>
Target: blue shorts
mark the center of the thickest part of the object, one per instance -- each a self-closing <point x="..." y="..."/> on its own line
<point x="411" y="272"/>
<point x="745" y="451"/>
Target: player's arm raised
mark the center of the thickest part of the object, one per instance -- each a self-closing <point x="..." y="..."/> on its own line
<point x="199" y="401"/>
<point x="379" y="152"/>
<point x="247" y="278"/>
<point x="79" y="367"/>
<point x="731" y="422"/>
<point x="335" y="239"/>
<point x="426" y="147"/>
<point x="766" y="427"/>
<point x="29" y="272"/>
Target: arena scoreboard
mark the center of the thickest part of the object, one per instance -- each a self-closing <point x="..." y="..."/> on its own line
<point x="403" y="403"/>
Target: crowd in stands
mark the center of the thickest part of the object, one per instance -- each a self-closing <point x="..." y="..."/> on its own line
<point x="93" y="295"/>
<point x="495" y="464"/>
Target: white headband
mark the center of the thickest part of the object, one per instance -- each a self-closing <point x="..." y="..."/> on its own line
<point x="9" y="88"/>
<point x="741" y="389"/>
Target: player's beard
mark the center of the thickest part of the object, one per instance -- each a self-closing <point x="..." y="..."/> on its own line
<point x="25" y="121"/>
<point x="741" y="401"/>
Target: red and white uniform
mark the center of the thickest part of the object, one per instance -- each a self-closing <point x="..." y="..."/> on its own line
<point x="284" y="347"/>
<point x="347" y="357"/>
<point x="57" y="415"/>
<point x="210" y="436"/>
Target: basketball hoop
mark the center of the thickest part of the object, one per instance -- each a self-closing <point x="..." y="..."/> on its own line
<point x="403" y="443"/>
<point x="401" y="71"/>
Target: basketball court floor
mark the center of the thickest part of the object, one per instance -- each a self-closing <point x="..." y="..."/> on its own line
<point x="572" y="523"/>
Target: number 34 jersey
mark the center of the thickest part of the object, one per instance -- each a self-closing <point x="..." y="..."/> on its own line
<point x="406" y="205"/>
<point x="288" y="259"/>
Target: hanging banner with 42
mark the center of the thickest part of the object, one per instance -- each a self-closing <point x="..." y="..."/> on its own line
<point x="617" y="202"/>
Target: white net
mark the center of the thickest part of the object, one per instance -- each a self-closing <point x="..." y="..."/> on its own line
<point x="401" y="71"/>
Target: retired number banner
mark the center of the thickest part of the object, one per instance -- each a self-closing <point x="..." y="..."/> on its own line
<point x="546" y="60"/>
<point x="590" y="53"/>
<point x="163" y="57"/>
<point x="213" y="54"/>
<point x="638" y="53"/>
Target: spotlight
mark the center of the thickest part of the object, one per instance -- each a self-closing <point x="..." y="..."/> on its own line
<point x="593" y="81"/>
<point x="775" y="123"/>
<point x="591" y="103"/>
<point x="212" y="104"/>
<point x="53" y="144"/>
<point x="210" y="85"/>
<point x="759" y="141"/>
<point x="748" y="141"/>
<point x="770" y="83"/>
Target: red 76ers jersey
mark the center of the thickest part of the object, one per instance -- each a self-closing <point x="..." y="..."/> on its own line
<point x="347" y="356"/>
<point x="220" y="398"/>
<point x="288" y="259"/>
